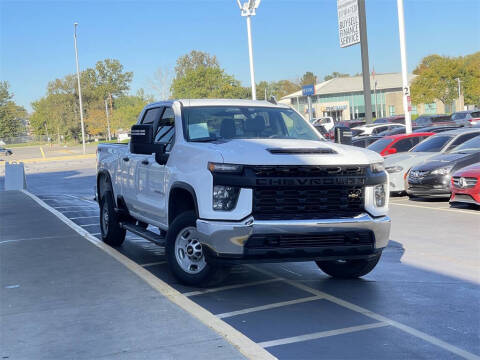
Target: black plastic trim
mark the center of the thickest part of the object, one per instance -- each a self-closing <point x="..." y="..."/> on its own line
<point x="184" y="186"/>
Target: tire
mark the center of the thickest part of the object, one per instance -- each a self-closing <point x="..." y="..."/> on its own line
<point x="112" y="233"/>
<point x="348" y="269"/>
<point x="185" y="257"/>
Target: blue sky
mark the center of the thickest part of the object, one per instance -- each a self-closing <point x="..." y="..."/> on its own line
<point x="289" y="37"/>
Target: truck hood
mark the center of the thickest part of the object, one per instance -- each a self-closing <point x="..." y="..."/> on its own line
<point x="292" y="152"/>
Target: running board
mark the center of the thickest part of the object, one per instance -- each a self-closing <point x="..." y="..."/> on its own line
<point x="144" y="233"/>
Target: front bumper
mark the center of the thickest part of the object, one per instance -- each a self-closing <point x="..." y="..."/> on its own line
<point x="229" y="240"/>
<point x="429" y="186"/>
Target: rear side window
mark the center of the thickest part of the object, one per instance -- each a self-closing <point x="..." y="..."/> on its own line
<point x="475" y="114"/>
<point x="404" y="144"/>
<point x="461" y="139"/>
<point x="438" y="119"/>
<point x="379" y="145"/>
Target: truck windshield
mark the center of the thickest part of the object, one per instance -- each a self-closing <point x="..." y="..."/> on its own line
<point x="209" y="123"/>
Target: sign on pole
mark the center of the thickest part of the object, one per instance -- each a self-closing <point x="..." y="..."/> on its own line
<point x="348" y="22"/>
<point x="308" y="90"/>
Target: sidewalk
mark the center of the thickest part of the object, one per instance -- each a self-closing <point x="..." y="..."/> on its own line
<point x="61" y="297"/>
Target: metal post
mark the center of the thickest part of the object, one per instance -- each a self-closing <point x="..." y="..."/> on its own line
<point x="365" y="66"/>
<point x="79" y="87"/>
<point x="109" y="136"/>
<point x="403" y="54"/>
<point x="250" y="55"/>
<point x="310" y="112"/>
<point x="375" y="92"/>
<point x="459" y="93"/>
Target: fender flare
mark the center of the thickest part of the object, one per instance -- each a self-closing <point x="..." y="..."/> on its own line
<point x="101" y="173"/>
<point x="184" y="186"/>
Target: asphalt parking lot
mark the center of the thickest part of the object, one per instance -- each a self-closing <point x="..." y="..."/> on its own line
<point x="422" y="300"/>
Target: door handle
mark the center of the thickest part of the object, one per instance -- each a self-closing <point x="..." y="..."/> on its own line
<point x="145" y="162"/>
<point x="126" y="159"/>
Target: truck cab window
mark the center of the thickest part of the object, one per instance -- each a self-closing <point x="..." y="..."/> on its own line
<point x="166" y="129"/>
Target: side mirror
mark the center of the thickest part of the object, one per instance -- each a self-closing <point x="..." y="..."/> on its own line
<point x="392" y="151"/>
<point x="141" y="141"/>
<point x="161" y="157"/>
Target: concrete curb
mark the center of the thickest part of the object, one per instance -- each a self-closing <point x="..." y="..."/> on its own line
<point x="242" y="343"/>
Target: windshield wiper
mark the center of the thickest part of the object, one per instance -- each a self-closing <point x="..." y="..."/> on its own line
<point x="209" y="139"/>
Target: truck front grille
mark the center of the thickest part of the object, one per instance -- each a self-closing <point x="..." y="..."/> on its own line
<point x="296" y="193"/>
<point x="263" y="241"/>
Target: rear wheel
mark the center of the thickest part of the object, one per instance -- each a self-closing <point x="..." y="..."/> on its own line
<point x="185" y="254"/>
<point x="112" y="233"/>
<point x="348" y="269"/>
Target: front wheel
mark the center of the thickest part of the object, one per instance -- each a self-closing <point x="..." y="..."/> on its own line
<point x="112" y="233"/>
<point x="185" y="254"/>
<point x="348" y="269"/>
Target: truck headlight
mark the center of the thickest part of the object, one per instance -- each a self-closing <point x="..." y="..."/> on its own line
<point x="442" y="171"/>
<point x="393" y="169"/>
<point x="225" y="168"/>
<point x="225" y="197"/>
<point x="380" y="195"/>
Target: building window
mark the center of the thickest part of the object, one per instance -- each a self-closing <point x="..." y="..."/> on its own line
<point x="414" y="110"/>
<point x="431" y="108"/>
<point x="391" y="110"/>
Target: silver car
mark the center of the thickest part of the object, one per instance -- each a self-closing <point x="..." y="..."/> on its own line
<point x="398" y="165"/>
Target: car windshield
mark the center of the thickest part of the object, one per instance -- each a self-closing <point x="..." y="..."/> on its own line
<point x="356" y="132"/>
<point x="432" y="144"/>
<point x="468" y="147"/>
<point x="459" y="116"/>
<point x="209" y="123"/>
<point x="379" y="145"/>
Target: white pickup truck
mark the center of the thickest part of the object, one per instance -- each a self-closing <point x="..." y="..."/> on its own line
<point x="234" y="181"/>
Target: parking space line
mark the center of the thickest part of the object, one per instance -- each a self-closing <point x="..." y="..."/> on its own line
<point x="71" y="206"/>
<point x="69" y="211"/>
<point x="96" y="224"/>
<point x="27" y="239"/>
<point x="154" y="263"/>
<point x="228" y="287"/>
<point x="435" y="208"/>
<point x="268" y="306"/>
<point x="246" y="346"/>
<point x="321" y="334"/>
<point x="96" y="234"/>
<point x="405" y="328"/>
<point x="84" y="217"/>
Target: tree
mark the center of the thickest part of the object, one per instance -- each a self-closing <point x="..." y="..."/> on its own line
<point x="436" y="80"/>
<point x="198" y="75"/>
<point x="110" y="79"/>
<point x="470" y="78"/>
<point x="161" y="82"/>
<point x="278" y="89"/>
<point x="208" y="83"/>
<point x="308" y="78"/>
<point x="128" y="108"/>
<point x="11" y="115"/>
<point x="334" y="75"/>
<point x="193" y="61"/>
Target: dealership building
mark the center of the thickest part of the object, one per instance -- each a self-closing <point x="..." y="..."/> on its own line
<point x="342" y="98"/>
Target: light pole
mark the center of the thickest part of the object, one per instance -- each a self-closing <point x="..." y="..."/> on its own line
<point x="79" y="87"/>
<point x="248" y="10"/>
<point x="403" y="55"/>
<point x="109" y="137"/>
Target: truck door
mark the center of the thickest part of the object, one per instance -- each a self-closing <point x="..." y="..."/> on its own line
<point x="135" y="177"/>
<point x="152" y="197"/>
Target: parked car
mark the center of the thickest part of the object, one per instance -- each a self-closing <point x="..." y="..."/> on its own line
<point x="465" y="185"/>
<point x="351" y="123"/>
<point x="466" y="118"/>
<point x="5" y="151"/>
<point x="430" y="120"/>
<point x="433" y="177"/>
<point x="394" y="131"/>
<point x="327" y="122"/>
<point x="321" y="129"/>
<point x="393" y="144"/>
<point x="374" y="129"/>
<point x="399" y="119"/>
<point x="214" y="175"/>
<point x="397" y="165"/>
<point x="436" y="129"/>
<point x="364" y="141"/>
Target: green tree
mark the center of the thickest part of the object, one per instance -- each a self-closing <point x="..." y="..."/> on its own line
<point x="470" y="78"/>
<point x="308" y="78"/>
<point x="11" y="115"/>
<point x="128" y="108"/>
<point x="198" y="75"/>
<point x="193" y="61"/>
<point x="436" y="80"/>
<point x="278" y="89"/>
<point x="110" y="78"/>
<point x="334" y="75"/>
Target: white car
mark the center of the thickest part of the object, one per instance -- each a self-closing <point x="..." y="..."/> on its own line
<point x="327" y="122"/>
<point x="232" y="181"/>
<point x="374" y="129"/>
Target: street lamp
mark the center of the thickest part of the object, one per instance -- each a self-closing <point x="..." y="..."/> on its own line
<point x="248" y="9"/>
<point x="79" y="87"/>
